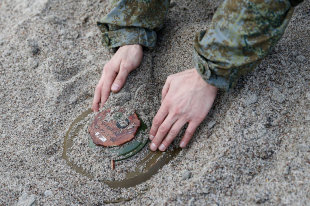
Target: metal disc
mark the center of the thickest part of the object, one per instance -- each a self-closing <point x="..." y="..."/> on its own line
<point x="114" y="132"/>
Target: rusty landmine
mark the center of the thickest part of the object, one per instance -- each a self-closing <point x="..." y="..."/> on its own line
<point x="133" y="162"/>
<point x="116" y="131"/>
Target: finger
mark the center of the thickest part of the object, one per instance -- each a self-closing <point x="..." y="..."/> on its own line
<point x="188" y="134"/>
<point x="109" y="76"/>
<point x="95" y="106"/>
<point x="120" y="79"/>
<point x="174" y="131"/>
<point x="97" y="95"/>
<point x="165" y="88"/>
<point x="162" y="131"/>
<point x="158" y="119"/>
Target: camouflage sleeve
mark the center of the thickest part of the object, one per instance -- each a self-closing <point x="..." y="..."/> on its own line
<point x="242" y="32"/>
<point x="133" y="22"/>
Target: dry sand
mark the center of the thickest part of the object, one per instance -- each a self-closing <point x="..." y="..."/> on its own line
<point x="254" y="147"/>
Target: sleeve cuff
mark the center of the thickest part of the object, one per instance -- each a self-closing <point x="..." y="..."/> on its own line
<point x="202" y="67"/>
<point x="114" y="36"/>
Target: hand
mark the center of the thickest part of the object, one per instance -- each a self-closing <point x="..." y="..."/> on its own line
<point x="115" y="72"/>
<point x="186" y="98"/>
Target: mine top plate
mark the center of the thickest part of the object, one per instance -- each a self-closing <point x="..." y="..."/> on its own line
<point x="113" y="131"/>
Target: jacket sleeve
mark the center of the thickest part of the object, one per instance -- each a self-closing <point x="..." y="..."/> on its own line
<point x="133" y="22"/>
<point x="242" y="32"/>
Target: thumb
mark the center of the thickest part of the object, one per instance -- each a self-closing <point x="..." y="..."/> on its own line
<point x="120" y="79"/>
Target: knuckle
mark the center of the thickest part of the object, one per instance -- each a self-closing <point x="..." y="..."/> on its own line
<point x="109" y="67"/>
<point x="167" y="101"/>
<point x="177" y="111"/>
<point x="163" y="128"/>
<point x="186" y="117"/>
<point x="174" y="132"/>
<point x="156" y="122"/>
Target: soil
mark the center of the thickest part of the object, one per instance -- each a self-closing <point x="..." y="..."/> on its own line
<point x="253" y="148"/>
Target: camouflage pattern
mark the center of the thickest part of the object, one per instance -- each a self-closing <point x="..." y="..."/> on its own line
<point x="133" y="22"/>
<point x="242" y="32"/>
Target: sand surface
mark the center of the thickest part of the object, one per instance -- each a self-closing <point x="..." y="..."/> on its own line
<point x="253" y="148"/>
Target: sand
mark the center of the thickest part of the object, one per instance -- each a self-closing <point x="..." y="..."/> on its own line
<point x="253" y="148"/>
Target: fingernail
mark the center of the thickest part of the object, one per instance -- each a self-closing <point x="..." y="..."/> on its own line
<point x="115" y="87"/>
<point x="162" y="147"/>
<point x="151" y="137"/>
<point x="182" y="144"/>
<point x="153" y="147"/>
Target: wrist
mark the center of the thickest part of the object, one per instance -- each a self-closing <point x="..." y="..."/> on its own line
<point x="205" y="83"/>
<point x="133" y="46"/>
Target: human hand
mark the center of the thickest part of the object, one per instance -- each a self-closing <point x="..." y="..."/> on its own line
<point x="115" y="72"/>
<point x="186" y="98"/>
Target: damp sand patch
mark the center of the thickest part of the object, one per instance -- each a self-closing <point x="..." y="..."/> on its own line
<point x="93" y="161"/>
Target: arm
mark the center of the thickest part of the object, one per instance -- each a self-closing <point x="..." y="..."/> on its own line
<point x="133" y="22"/>
<point x="242" y="32"/>
<point x="130" y="25"/>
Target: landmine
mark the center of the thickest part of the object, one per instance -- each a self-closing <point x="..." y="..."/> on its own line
<point x="113" y="132"/>
<point x="131" y="110"/>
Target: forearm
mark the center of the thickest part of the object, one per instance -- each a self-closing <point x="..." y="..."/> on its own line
<point x="242" y="33"/>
